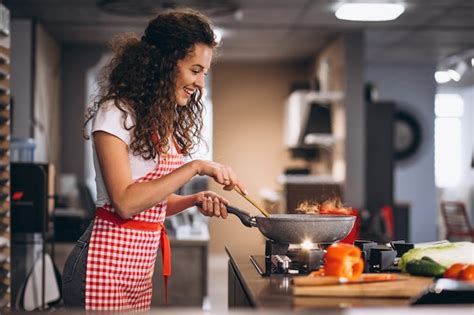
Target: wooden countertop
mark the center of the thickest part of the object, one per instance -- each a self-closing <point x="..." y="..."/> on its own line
<point x="275" y="292"/>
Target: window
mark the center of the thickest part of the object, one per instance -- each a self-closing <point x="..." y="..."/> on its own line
<point x="449" y="109"/>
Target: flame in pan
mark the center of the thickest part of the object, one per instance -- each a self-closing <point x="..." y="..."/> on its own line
<point x="307" y="244"/>
<point x="330" y="206"/>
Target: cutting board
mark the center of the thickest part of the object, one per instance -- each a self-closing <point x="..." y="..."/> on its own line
<point x="407" y="287"/>
<point x="305" y="302"/>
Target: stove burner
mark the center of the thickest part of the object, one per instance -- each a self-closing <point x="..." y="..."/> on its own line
<point x="286" y="259"/>
<point x="283" y="259"/>
<point x="281" y="263"/>
<point x="382" y="258"/>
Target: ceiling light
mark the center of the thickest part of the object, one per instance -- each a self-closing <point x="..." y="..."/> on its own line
<point x="442" y="76"/>
<point x="458" y="71"/>
<point x="454" y="75"/>
<point x="239" y="15"/>
<point x="472" y="62"/>
<point x="369" y="11"/>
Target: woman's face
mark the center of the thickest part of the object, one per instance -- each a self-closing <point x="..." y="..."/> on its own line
<point x="191" y="73"/>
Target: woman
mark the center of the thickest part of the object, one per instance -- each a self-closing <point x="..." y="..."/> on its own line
<point x="147" y="118"/>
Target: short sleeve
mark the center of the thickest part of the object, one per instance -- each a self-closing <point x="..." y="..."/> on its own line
<point x="110" y="119"/>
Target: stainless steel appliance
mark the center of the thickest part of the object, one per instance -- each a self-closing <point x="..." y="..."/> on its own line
<point x="32" y="184"/>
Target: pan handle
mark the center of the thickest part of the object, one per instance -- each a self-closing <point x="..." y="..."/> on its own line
<point x="243" y="216"/>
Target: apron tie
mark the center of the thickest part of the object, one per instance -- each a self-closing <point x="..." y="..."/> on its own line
<point x="166" y="258"/>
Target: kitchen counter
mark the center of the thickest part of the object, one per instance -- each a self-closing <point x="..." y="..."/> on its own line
<point x="247" y="288"/>
<point x="354" y="311"/>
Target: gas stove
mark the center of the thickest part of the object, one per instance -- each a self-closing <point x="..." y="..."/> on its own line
<point x="288" y="260"/>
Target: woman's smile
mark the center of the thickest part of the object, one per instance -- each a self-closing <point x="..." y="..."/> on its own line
<point x="189" y="91"/>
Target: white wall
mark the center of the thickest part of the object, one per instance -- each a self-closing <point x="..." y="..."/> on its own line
<point x="464" y="192"/>
<point x="412" y="87"/>
<point x="468" y="153"/>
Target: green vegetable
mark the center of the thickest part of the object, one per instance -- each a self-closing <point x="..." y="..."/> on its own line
<point x="444" y="254"/>
<point x="425" y="267"/>
<point x="429" y="259"/>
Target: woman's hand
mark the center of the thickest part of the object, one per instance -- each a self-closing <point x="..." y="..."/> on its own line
<point x="222" y="174"/>
<point x="212" y="205"/>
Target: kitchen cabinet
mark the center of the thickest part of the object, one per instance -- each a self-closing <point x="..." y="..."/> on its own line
<point x="309" y="118"/>
<point x="31" y="229"/>
<point x="187" y="285"/>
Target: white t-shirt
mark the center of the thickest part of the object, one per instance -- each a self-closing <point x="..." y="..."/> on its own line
<point x="110" y="119"/>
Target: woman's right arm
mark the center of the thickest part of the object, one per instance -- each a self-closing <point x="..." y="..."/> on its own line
<point x="130" y="198"/>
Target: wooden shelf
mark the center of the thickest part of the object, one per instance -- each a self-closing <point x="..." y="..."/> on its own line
<point x="5" y="219"/>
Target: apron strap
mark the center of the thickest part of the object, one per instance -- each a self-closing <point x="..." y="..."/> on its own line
<point x="166" y="258"/>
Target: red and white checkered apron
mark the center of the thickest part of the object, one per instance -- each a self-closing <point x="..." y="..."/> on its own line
<point x="121" y="259"/>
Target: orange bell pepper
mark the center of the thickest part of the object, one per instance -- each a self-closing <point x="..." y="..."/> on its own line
<point x="343" y="260"/>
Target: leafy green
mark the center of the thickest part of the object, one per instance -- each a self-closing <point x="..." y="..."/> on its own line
<point x="444" y="254"/>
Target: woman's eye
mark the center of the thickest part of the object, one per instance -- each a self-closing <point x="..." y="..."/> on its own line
<point x="195" y="71"/>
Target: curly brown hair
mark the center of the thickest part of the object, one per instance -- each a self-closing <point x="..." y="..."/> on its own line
<point x="140" y="80"/>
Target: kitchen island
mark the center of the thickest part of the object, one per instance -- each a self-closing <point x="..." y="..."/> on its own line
<point x="247" y="288"/>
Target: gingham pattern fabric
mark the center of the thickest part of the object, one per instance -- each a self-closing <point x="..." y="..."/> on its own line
<point x="121" y="261"/>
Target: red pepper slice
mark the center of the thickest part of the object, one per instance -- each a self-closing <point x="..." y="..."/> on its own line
<point x="343" y="260"/>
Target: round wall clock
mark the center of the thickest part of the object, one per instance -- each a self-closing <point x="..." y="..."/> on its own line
<point x="407" y="135"/>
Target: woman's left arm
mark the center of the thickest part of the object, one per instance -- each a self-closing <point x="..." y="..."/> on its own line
<point x="177" y="203"/>
<point x="211" y="204"/>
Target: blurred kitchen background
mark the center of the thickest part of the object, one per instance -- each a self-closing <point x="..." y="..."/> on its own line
<point x="301" y="104"/>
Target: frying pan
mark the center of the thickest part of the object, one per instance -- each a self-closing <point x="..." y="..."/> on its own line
<point x="297" y="228"/>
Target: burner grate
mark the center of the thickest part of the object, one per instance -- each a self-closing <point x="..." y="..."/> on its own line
<point x="283" y="259"/>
